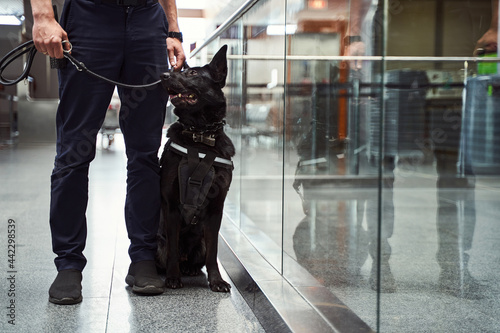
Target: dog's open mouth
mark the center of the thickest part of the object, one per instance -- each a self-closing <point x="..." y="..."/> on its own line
<point x="187" y="98"/>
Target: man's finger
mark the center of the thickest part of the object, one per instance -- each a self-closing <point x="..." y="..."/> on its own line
<point x="181" y="59"/>
<point x="172" y="61"/>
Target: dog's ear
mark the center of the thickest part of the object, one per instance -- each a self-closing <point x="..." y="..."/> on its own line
<point x="218" y="66"/>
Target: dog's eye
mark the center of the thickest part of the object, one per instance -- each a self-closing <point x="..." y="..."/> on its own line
<point x="192" y="72"/>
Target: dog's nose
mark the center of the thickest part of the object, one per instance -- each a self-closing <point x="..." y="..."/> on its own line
<point x="165" y="76"/>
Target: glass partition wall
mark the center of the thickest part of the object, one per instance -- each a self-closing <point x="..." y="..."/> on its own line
<point x="368" y="156"/>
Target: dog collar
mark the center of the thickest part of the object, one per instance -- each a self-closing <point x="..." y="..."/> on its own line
<point x="205" y="135"/>
<point x="214" y="127"/>
<point x="208" y="139"/>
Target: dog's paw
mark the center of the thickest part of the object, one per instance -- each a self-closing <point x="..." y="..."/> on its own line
<point x="220" y="286"/>
<point x="173" y="283"/>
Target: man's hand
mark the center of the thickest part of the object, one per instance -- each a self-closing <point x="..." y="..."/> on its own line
<point x="488" y="43"/>
<point x="176" y="55"/>
<point x="48" y="36"/>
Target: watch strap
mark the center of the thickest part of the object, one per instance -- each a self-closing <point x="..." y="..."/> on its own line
<point x="173" y="34"/>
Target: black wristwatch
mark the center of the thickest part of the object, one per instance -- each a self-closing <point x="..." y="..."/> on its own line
<point x="173" y="34"/>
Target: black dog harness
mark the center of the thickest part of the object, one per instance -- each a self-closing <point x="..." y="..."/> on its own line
<point x="196" y="175"/>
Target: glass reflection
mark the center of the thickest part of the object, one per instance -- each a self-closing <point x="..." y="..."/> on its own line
<point x="369" y="153"/>
<point x="262" y="128"/>
<point x="343" y="170"/>
<point x="374" y="140"/>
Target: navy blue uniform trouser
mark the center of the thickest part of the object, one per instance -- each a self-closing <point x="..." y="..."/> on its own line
<point x="127" y="45"/>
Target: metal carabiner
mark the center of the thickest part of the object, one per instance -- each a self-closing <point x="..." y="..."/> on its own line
<point x="70" y="46"/>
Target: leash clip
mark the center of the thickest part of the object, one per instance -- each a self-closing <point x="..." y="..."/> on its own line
<point x="80" y="66"/>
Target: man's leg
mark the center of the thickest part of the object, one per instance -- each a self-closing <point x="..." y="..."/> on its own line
<point x="455" y="221"/>
<point x="82" y="108"/>
<point x="141" y="119"/>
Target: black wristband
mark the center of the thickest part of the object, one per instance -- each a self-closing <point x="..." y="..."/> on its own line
<point x="173" y="34"/>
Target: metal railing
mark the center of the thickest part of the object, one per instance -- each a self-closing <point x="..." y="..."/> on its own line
<point x="225" y="25"/>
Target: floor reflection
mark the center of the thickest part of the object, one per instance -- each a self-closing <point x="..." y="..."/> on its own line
<point x="341" y="228"/>
<point x="350" y="214"/>
<point x="455" y="222"/>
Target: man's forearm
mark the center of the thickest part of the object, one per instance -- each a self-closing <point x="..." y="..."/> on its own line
<point x="170" y="8"/>
<point x="42" y="9"/>
<point x="47" y="33"/>
<point x="358" y="10"/>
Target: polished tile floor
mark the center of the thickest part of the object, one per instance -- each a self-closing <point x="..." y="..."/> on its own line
<point x="108" y="303"/>
<point x="326" y="264"/>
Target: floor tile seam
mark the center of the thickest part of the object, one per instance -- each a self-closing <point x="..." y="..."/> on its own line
<point x="110" y="294"/>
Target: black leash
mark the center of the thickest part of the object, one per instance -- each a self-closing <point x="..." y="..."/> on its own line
<point x="29" y="48"/>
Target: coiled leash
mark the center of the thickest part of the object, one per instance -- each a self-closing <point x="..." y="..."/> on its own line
<point x="29" y="48"/>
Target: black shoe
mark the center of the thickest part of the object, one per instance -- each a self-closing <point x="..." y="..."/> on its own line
<point x="144" y="279"/>
<point x="66" y="288"/>
<point x="461" y="284"/>
<point x="387" y="280"/>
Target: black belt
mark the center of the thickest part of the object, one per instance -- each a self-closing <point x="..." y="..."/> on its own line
<point x="128" y="3"/>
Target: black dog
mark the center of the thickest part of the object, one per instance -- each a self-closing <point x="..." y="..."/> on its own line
<point x="196" y="172"/>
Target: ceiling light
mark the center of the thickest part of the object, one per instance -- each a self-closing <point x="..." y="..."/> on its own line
<point x="10" y="20"/>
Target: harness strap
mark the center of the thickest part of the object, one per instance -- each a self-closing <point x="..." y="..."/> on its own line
<point x="195" y="178"/>
<point x="201" y="169"/>
<point x="183" y="151"/>
<point x="192" y="155"/>
<point x="195" y="184"/>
